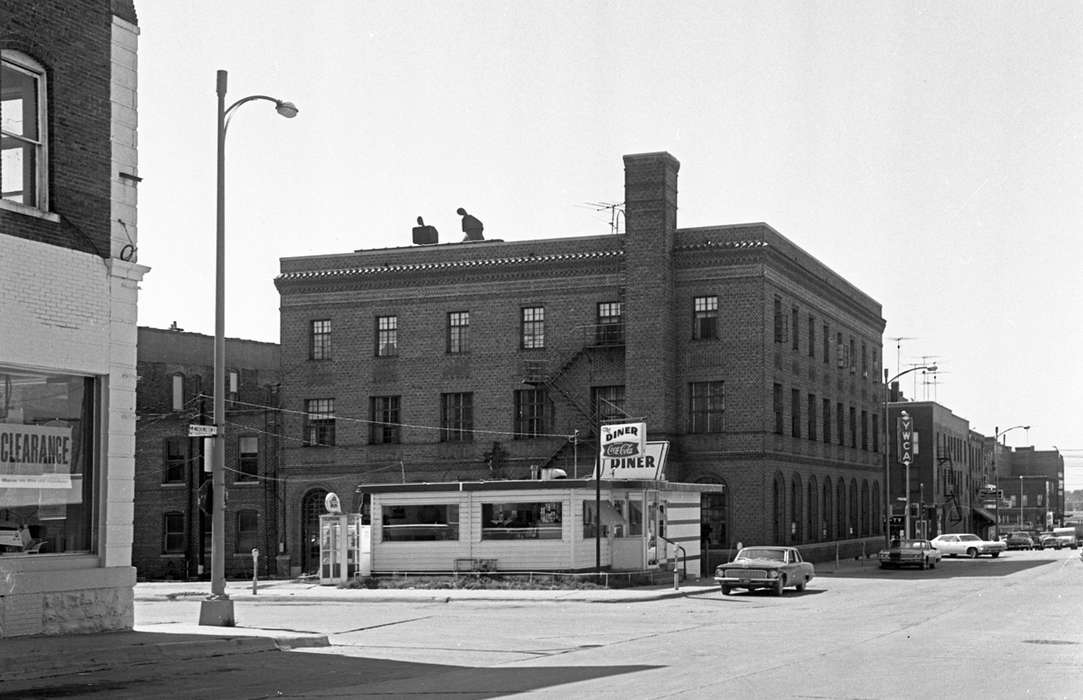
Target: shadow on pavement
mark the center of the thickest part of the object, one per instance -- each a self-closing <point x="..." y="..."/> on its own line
<point x="949" y="567"/>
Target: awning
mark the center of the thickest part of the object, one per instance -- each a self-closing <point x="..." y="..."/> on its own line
<point x="981" y="512"/>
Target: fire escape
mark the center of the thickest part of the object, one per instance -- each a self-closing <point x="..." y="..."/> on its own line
<point x="560" y="383"/>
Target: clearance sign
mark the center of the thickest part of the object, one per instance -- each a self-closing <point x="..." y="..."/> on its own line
<point x="35" y="456"/>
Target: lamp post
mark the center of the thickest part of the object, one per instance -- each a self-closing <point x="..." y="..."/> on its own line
<point x="888" y="503"/>
<point x="217" y="609"/>
<point x="997" y="433"/>
<point x="1020" y="501"/>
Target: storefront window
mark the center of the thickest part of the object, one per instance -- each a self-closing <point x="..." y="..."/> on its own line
<point x="520" y="521"/>
<point x="46" y="462"/>
<point x="419" y="523"/>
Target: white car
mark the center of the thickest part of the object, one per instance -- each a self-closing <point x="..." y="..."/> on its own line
<point x="967" y="545"/>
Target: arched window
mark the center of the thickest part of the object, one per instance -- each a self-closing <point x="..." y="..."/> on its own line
<point x="826" y="513"/>
<point x="795" y="510"/>
<point x="23" y="128"/>
<point x="311" y="510"/>
<point x="842" y="532"/>
<point x="866" y="527"/>
<point x="778" y="505"/>
<point x="877" y="520"/>
<point x="853" y="519"/>
<point x="812" y="530"/>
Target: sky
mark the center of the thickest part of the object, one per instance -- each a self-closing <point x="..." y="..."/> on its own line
<point x="928" y="152"/>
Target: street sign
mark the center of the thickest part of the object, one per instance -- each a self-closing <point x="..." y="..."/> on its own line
<point x="202" y="430"/>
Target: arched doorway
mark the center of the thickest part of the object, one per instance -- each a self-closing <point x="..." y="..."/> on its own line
<point x="311" y="510"/>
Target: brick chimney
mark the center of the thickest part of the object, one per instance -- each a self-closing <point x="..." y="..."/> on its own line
<point x="650" y="211"/>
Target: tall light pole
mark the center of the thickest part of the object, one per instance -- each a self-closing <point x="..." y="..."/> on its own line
<point x="217" y="609"/>
<point x="887" y="459"/>
<point x="1020" y="501"/>
<point x="997" y="432"/>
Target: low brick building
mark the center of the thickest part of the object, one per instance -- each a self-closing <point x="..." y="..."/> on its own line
<point x="487" y="359"/>
<point x="176" y="376"/>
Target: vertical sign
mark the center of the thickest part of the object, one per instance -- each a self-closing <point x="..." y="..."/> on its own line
<point x="906" y="437"/>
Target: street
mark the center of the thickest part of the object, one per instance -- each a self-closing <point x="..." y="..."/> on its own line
<point x="993" y="628"/>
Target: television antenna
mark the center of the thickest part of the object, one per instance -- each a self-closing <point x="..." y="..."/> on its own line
<point x="615" y="209"/>
<point x="898" y="349"/>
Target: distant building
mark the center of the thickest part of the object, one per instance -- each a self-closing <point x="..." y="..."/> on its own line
<point x="485" y="360"/>
<point x="176" y="380"/>
<point x="1033" y="486"/>
<point x="69" y="282"/>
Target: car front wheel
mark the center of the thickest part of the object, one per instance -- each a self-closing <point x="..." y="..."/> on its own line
<point x="996" y="554"/>
<point x="726" y="590"/>
<point x="972" y="553"/>
<point x="779" y="585"/>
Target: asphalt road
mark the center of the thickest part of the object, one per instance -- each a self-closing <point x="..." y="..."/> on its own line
<point x="1010" y="627"/>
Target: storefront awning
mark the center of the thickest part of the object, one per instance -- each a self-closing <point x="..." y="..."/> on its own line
<point x="981" y="512"/>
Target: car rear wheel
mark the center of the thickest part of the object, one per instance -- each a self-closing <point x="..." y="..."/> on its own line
<point x="801" y="586"/>
<point x="780" y="584"/>
<point x="932" y="564"/>
<point x="972" y="553"/>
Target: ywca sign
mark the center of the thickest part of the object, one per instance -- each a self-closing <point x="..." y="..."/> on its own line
<point x="907" y="438"/>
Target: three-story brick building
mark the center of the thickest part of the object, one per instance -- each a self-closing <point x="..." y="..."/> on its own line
<point x="489" y="359"/>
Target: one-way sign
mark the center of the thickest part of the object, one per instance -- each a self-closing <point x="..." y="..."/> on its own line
<point x="202" y="430"/>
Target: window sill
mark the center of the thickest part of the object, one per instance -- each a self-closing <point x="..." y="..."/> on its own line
<point x="29" y="211"/>
<point x="247" y="483"/>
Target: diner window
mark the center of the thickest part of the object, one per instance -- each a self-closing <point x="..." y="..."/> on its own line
<point x="607" y="403"/>
<point x="174" y="536"/>
<point x="319" y="425"/>
<point x="23" y="120"/>
<point x="707" y="406"/>
<point x="457" y="417"/>
<point x="533" y="327"/>
<point x="247" y="458"/>
<point x="247" y="531"/>
<point x="48" y="439"/>
<point x="532" y="413"/>
<point x="610" y="327"/>
<point x="521" y="521"/>
<point x="385" y="426"/>
<point x="319" y="346"/>
<point x="419" y="523"/>
<point x="458" y="332"/>
<point x="705" y="318"/>
<point x="590" y="520"/>
<point x="387" y="336"/>
<point x="175" y="453"/>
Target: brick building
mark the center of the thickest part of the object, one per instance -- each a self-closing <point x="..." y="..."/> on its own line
<point x="1033" y="485"/>
<point x="69" y="283"/>
<point x="175" y="371"/>
<point x="484" y="359"/>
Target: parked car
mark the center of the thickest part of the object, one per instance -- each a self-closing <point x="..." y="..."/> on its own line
<point x="1047" y="540"/>
<point x="1067" y="536"/>
<point x="919" y="553"/>
<point x="1019" y="540"/>
<point x="968" y="545"/>
<point x="775" y="568"/>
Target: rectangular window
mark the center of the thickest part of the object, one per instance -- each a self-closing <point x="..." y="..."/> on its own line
<point x="233" y="382"/>
<point x="827" y="344"/>
<point x="795" y="315"/>
<point x="384" y="427"/>
<point x="811" y="336"/>
<point x="177" y="395"/>
<point x="776" y="405"/>
<point x="840" y="352"/>
<point x="427" y="522"/>
<point x="864" y="360"/>
<point x="319" y="347"/>
<point x="811" y="417"/>
<point x="387" y="336"/>
<point x="705" y="318"/>
<point x="175" y="452"/>
<point x="852" y="356"/>
<point x="48" y="444"/>
<point x="607" y="403"/>
<point x="521" y="521"/>
<point x="458" y="332"/>
<point x="826" y="417"/>
<point x="707" y="406"/>
<point x="247" y="532"/>
<point x="840" y="423"/>
<point x="533" y="327"/>
<point x="173" y="534"/>
<point x="319" y="427"/>
<point x="457" y="417"/>
<point x="590" y="520"/>
<point x="610" y="327"/>
<point x="853" y="427"/>
<point x="247" y="458"/>
<point x="795" y="413"/>
<point x="864" y="430"/>
<point x="778" y="320"/>
<point x="875" y="433"/>
<point x="23" y="164"/>
<point x="532" y="411"/>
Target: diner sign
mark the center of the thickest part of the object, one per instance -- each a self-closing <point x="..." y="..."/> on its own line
<point x="35" y="456"/>
<point x="622" y="444"/>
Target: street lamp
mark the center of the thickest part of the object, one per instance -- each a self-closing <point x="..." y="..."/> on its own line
<point x="1020" y="501"/>
<point x="217" y="609"/>
<point x="888" y="506"/>
<point x="997" y="432"/>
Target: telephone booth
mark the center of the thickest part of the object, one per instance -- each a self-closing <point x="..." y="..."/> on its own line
<point x="344" y="548"/>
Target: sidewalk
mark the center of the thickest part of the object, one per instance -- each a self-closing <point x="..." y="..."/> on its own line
<point x="28" y="658"/>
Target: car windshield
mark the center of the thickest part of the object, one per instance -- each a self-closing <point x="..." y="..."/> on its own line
<point x="775" y="554"/>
